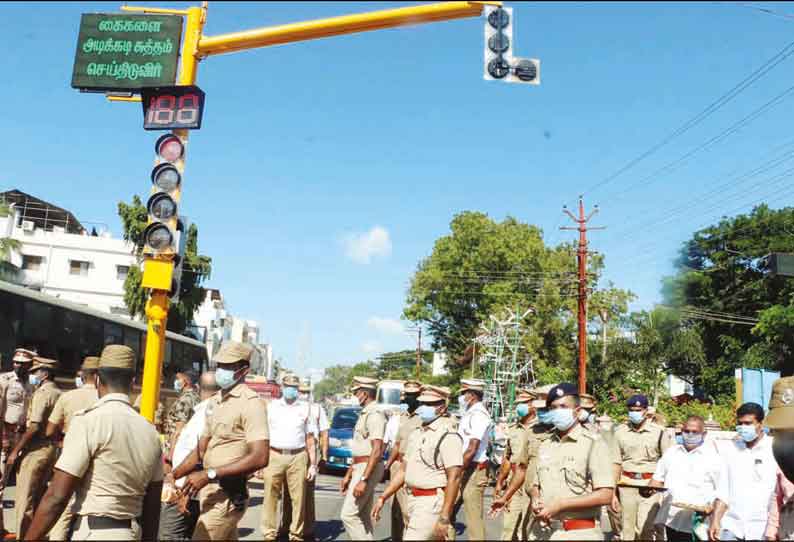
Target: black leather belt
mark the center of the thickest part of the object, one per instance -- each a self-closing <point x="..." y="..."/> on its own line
<point x="104" y="522"/>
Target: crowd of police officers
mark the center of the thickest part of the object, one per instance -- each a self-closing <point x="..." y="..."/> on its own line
<point x="561" y="477"/>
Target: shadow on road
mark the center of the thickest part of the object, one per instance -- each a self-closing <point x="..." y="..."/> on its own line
<point x="325" y="531"/>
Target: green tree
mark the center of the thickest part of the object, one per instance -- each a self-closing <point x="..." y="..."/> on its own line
<point x="722" y="269"/>
<point x="337" y="379"/>
<point x="484" y="267"/>
<point x="195" y="269"/>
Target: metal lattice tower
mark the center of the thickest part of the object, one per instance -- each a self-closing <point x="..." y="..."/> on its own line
<point x="503" y="362"/>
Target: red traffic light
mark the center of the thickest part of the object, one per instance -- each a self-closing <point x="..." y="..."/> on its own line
<point x="169" y="147"/>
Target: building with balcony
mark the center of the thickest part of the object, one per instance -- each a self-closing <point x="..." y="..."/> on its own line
<point x="58" y="256"/>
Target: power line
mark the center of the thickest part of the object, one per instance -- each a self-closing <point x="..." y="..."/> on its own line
<point x="697" y="119"/>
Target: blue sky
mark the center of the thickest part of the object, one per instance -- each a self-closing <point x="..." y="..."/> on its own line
<point x="325" y="170"/>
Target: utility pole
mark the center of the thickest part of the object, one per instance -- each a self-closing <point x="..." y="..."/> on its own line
<point x="581" y="256"/>
<point x="418" y="331"/>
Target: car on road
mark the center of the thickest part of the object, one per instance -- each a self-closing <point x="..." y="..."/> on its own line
<point x="340" y="437"/>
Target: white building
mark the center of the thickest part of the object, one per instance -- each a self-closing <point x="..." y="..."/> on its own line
<point x="439" y="364"/>
<point x="220" y="325"/>
<point x="676" y="386"/>
<point x="60" y="258"/>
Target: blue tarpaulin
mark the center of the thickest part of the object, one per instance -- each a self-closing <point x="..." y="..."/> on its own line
<point x="757" y="386"/>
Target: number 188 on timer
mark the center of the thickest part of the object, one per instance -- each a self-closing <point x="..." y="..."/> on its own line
<point x="172" y="108"/>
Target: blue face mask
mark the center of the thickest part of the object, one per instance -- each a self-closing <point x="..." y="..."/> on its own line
<point x="178" y="386"/>
<point x="78" y="382"/>
<point x="562" y="418"/>
<point x="462" y="403"/>
<point x="522" y="409"/>
<point x="679" y="439"/>
<point x="403" y="407"/>
<point x="34" y="380"/>
<point x="543" y="416"/>
<point x="290" y="393"/>
<point x="636" y="417"/>
<point x="747" y="432"/>
<point x="692" y="440"/>
<point x="224" y="378"/>
<point x="426" y="413"/>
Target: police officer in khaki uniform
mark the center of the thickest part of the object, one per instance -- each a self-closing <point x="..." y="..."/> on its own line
<point x="292" y="459"/>
<point x="67" y="406"/>
<point x="34" y="451"/>
<point x="408" y="422"/>
<point x="235" y="444"/>
<point x="113" y="461"/>
<point x="15" y="393"/>
<point x="573" y="475"/>
<point x="516" y="519"/>
<point x="639" y="444"/>
<point x="367" y="469"/>
<point x="430" y="470"/>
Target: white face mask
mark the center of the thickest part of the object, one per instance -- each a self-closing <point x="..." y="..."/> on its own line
<point x="78" y="382"/>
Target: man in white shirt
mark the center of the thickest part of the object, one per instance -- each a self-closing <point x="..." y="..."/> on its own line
<point x="690" y="472"/>
<point x="178" y="515"/>
<point x="292" y="459"/>
<point x="475" y="430"/>
<point x="747" y="480"/>
<point x="320" y="419"/>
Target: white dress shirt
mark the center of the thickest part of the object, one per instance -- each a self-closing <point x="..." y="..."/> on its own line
<point x="747" y="481"/>
<point x="289" y="424"/>
<point x="392" y="426"/>
<point x="476" y="423"/>
<point x="189" y="437"/>
<point x="690" y="477"/>
<point x="319" y="417"/>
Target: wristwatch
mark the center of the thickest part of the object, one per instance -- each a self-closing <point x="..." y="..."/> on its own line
<point x="363" y="479"/>
<point x="211" y="474"/>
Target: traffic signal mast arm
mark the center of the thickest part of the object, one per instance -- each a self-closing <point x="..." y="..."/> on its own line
<point x="195" y="46"/>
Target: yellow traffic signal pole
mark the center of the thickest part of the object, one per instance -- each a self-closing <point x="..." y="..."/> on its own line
<point x="196" y="47"/>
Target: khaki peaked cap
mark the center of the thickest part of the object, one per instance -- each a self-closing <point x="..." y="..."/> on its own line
<point x="587" y="401"/>
<point x="781" y="404"/>
<point x="363" y="382"/>
<point x="117" y="356"/>
<point x="304" y="388"/>
<point x="43" y="363"/>
<point x="291" y="380"/>
<point x="22" y="355"/>
<point x="433" y="394"/>
<point x="472" y="384"/>
<point x="524" y="396"/>
<point x="233" y="351"/>
<point x="90" y="363"/>
<point x="412" y="386"/>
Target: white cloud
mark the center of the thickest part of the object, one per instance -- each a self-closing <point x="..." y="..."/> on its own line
<point x="362" y="247"/>
<point x="371" y="347"/>
<point x="386" y="325"/>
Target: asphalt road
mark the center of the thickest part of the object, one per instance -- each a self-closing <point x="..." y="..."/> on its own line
<point x="328" y="504"/>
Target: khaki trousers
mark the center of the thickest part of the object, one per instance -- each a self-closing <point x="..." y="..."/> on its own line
<point x="516" y="519"/>
<point x="556" y="532"/>
<point x="472" y="490"/>
<point x="423" y="513"/>
<point x="399" y="508"/>
<point x="356" y="511"/>
<point x="83" y="532"/>
<point x="60" y="531"/>
<point x="35" y="470"/>
<point x="292" y="470"/>
<point x="218" y="518"/>
<point x="638" y="514"/>
<point x="786" y="530"/>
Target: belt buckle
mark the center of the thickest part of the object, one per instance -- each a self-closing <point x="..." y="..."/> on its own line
<point x="636" y="476"/>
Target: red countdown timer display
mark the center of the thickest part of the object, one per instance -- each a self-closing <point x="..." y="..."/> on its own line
<point x="172" y="108"/>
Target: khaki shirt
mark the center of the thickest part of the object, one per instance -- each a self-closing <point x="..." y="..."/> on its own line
<point x="41" y="406"/>
<point x="638" y="450"/>
<point x="234" y="419"/>
<point x="408" y="422"/>
<point x="528" y="447"/>
<point x="116" y="453"/>
<point x="423" y="468"/>
<point x="371" y="425"/>
<point x="14" y="395"/>
<point x="72" y="402"/>
<point x="516" y="440"/>
<point x="572" y="466"/>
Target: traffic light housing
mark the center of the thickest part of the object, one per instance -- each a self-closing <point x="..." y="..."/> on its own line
<point x="183" y="225"/>
<point x="500" y="63"/>
<point x="163" y="236"/>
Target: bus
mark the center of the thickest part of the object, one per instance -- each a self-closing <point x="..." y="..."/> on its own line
<point x="68" y="332"/>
